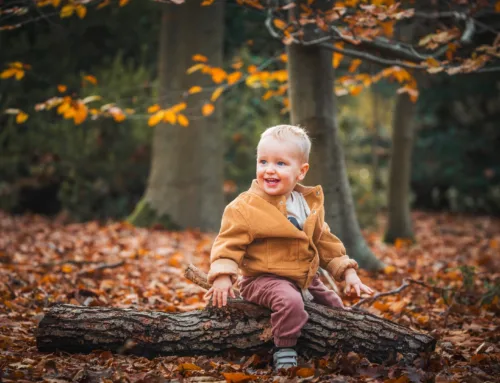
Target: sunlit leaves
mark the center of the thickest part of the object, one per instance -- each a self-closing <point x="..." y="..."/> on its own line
<point x="199" y="58"/>
<point x="280" y="24"/>
<point x="69" y="9"/>
<point x="170" y="115"/>
<point x="21" y="116"/>
<point x="90" y="79"/>
<point x="154" y="108"/>
<point x="207" y="109"/>
<point x="195" y="68"/>
<point x="182" y="120"/>
<point x="234" y="78"/>
<point x="216" y="94"/>
<point x="15" y="69"/>
<point x="337" y="57"/>
<point x="195" y="89"/>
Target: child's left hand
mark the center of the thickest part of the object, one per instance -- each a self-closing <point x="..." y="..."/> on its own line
<point x="354" y="285"/>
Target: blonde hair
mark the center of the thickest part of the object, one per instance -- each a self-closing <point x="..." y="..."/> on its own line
<point x="287" y="132"/>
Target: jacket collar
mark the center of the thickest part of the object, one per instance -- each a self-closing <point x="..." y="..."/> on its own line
<point x="312" y="194"/>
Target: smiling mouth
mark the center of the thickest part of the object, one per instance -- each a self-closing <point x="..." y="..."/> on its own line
<point x="272" y="181"/>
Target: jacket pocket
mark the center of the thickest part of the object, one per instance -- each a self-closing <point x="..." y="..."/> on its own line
<point x="282" y="253"/>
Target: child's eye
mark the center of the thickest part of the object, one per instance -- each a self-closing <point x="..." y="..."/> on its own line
<point x="281" y="163"/>
<point x="263" y="162"/>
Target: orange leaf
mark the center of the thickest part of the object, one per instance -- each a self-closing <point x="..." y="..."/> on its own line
<point x="238" y="377"/>
<point x="268" y="95"/>
<point x="67" y="268"/>
<point x="156" y="118"/>
<point x="354" y="65"/>
<point x="497" y="6"/>
<point x="154" y="108"/>
<point x="218" y="75"/>
<point x="337" y="56"/>
<point x="233" y="77"/>
<point x="280" y="24"/>
<point x="178" y="107"/>
<point x="381" y="306"/>
<point x="422" y="319"/>
<point x="200" y="58"/>
<point x="207" y="2"/>
<point x="355" y="90"/>
<point x="388" y="28"/>
<point x="194" y="68"/>
<point x="188" y="367"/>
<point x="397" y="307"/>
<point x="207" y="109"/>
<point x="81" y="11"/>
<point x="169" y="117"/>
<point x="62" y="88"/>
<point x="123" y="2"/>
<point x="388" y="270"/>
<point x="195" y="89"/>
<point x="284" y="57"/>
<point x="90" y="79"/>
<point x="217" y="92"/>
<point x="252" y="69"/>
<point x="305" y="372"/>
<point x="21" y="117"/>
<point x="182" y="120"/>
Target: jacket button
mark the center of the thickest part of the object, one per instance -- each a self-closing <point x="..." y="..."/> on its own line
<point x="314" y="212"/>
<point x="281" y="202"/>
<point x="317" y="192"/>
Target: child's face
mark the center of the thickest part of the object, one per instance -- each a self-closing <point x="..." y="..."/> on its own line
<point x="280" y="165"/>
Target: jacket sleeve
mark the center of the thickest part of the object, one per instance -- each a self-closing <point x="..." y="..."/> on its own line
<point x="229" y="246"/>
<point x="332" y="254"/>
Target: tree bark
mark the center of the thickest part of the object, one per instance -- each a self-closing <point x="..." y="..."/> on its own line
<point x="186" y="177"/>
<point x="376" y="179"/>
<point x="311" y="79"/>
<point x="399" y="217"/>
<point x="240" y="325"/>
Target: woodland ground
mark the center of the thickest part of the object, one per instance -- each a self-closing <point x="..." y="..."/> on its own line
<point x="44" y="261"/>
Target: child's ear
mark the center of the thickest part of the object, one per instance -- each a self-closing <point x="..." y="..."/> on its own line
<point x="303" y="171"/>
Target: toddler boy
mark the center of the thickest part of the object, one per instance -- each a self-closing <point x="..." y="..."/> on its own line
<point x="275" y="234"/>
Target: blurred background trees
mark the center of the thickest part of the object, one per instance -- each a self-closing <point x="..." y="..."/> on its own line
<point x="99" y="169"/>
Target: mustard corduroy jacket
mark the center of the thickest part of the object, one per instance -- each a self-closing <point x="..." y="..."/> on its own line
<point x="257" y="238"/>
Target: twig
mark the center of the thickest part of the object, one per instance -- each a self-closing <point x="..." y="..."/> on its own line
<point x="330" y="280"/>
<point x="102" y="267"/>
<point x="406" y="282"/>
<point x="199" y="278"/>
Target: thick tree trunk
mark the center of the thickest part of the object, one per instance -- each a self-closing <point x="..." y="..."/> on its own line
<point x="312" y="107"/>
<point x="376" y="179"/>
<point x="241" y="325"/>
<point x="399" y="217"/>
<point x="185" y="182"/>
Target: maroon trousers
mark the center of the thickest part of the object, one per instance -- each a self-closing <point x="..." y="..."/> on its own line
<point x="284" y="299"/>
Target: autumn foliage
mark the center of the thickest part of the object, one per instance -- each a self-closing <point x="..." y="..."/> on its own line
<point x="43" y="262"/>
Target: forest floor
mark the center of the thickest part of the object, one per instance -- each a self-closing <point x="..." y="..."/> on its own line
<point x="43" y="261"/>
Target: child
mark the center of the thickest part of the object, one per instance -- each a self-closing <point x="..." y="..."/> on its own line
<point x="276" y="235"/>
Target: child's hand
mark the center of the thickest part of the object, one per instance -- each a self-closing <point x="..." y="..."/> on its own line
<point x="219" y="290"/>
<point x="354" y="284"/>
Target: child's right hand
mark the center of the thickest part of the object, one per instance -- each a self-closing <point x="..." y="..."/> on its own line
<point x="221" y="287"/>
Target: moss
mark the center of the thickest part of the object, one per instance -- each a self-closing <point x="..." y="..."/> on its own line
<point x="145" y="216"/>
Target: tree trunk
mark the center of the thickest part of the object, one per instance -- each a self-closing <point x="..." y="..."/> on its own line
<point x="399" y="217"/>
<point x="376" y="179"/>
<point x="241" y="325"/>
<point x="311" y="78"/>
<point x="186" y="177"/>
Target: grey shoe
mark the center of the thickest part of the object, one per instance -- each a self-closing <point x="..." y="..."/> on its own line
<point x="285" y="358"/>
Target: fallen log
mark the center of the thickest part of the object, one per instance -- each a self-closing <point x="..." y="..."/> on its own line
<point x="238" y="326"/>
